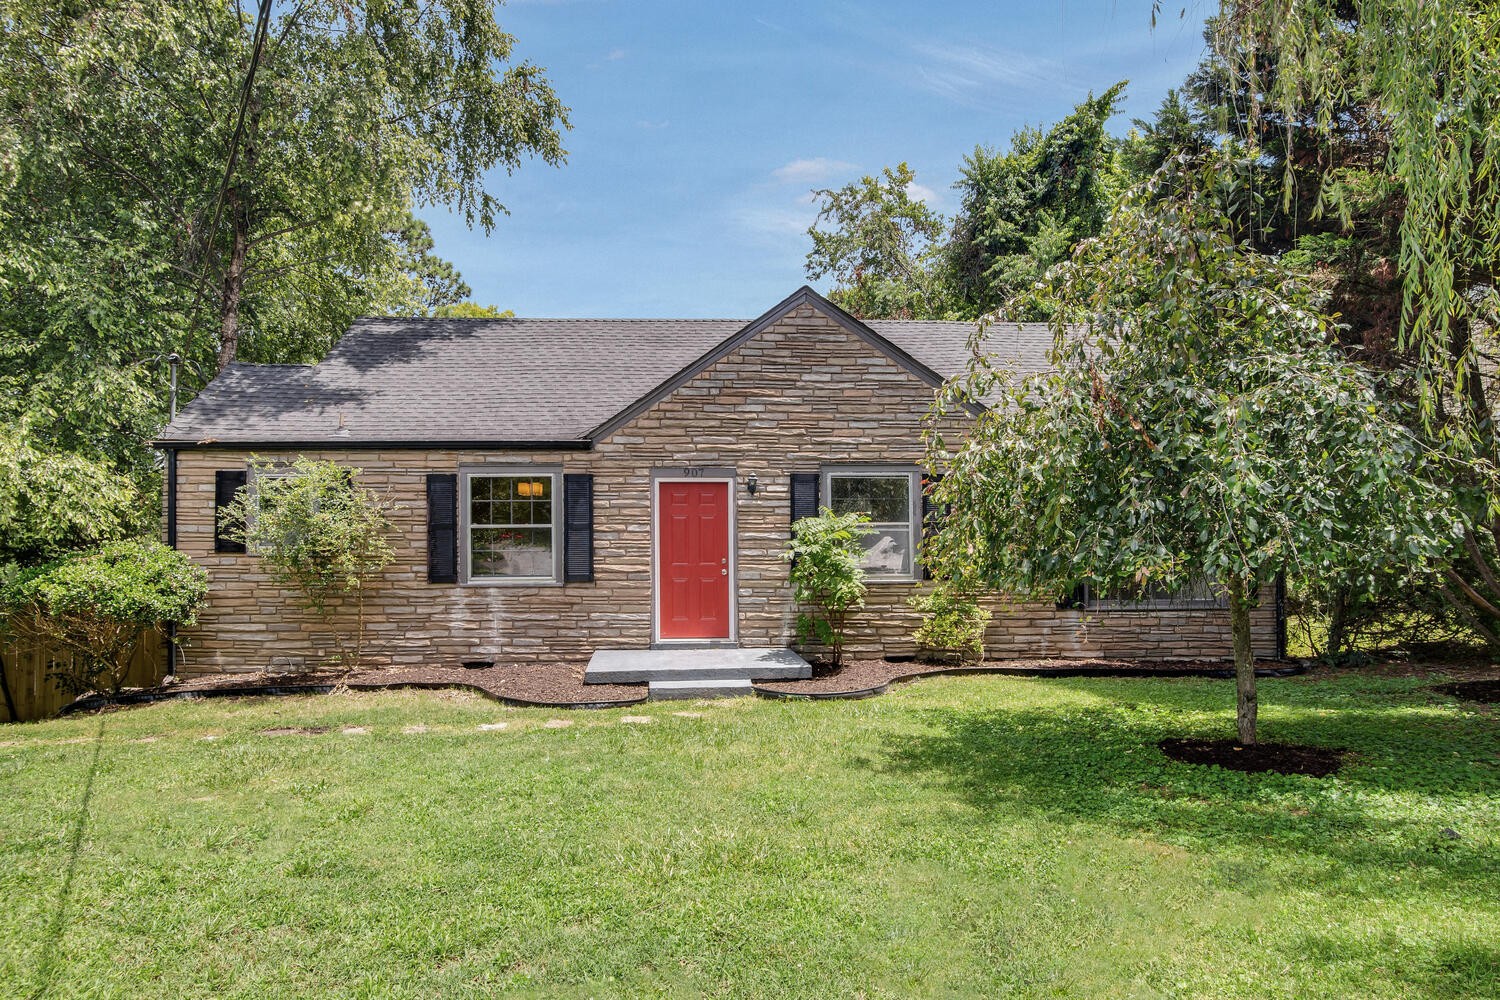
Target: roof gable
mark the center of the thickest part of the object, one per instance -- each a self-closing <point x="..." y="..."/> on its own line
<point x="803" y="296"/>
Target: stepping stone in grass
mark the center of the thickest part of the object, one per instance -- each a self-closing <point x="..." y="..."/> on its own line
<point x="490" y="727"/>
<point x="635" y="719"/>
<point x="356" y="730"/>
<point x="558" y="723"/>
<point x="689" y="715"/>
<point x="414" y="730"/>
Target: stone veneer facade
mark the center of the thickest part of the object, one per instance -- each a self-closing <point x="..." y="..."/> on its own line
<point x="801" y="394"/>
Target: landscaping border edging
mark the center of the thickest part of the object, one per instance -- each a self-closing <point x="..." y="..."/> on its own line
<point x="94" y="702"/>
<point x="1291" y="670"/>
<point x="90" y="703"/>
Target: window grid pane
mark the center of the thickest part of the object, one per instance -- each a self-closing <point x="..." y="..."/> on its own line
<point x="886" y="500"/>
<point x="510" y="527"/>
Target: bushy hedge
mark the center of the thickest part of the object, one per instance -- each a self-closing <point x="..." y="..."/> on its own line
<point x="98" y="603"/>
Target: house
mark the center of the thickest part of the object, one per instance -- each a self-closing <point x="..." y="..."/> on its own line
<point x="567" y="486"/>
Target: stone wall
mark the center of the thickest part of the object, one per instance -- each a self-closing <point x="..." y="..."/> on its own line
<point x="801" y="394"/>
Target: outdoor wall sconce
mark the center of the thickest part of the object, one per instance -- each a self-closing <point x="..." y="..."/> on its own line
<point x="752" y="484"/>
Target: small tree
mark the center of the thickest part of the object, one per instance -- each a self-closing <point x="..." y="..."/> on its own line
<point x="827" y="580"/>
<point x="953" y="623"/>
<point x="1196" y="422"/>
<point x="319" y="532"/>
<point x="98" y="603"/>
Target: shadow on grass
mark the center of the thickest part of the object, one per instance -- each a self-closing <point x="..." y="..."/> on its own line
<point x="51" y="947"/>
<point x="1416" y="776"/>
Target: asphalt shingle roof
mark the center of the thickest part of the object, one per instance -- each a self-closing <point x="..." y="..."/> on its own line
<point x="503" y="380"/>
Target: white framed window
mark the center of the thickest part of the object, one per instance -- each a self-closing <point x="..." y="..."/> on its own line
<point x="891" y="497"/>
<point x="511" y="526"/>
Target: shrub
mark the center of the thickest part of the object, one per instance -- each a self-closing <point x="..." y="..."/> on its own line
<point x="953" y="625"/>
<point x="54" y="502"/>
<point x="827" y="580"/>
<point x="97" y="604"/>
<point x="320" y="533"/>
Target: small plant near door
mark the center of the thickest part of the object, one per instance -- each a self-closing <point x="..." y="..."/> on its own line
<point x="952" y="628"/>
<point x="827" y="581"/>
<point x="320" y="533"/>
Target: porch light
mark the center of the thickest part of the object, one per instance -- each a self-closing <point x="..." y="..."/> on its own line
<point x="752" y="484"/>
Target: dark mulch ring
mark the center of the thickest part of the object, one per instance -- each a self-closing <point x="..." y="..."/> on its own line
<point x="1283" y="758"/>
<point x="1485" y="691"/>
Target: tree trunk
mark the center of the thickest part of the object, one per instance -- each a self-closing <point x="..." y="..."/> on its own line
<point x="1244" y="661"/>
<point x="10" y="702"/>
<point x="1338" y="617"/>
<point x="238" y="200"/>
<point x="232" y="288"/>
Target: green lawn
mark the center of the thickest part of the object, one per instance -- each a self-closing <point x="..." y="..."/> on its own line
<point x="969" y="836"/>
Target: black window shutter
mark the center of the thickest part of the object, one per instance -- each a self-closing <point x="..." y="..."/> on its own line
<point x="804" y="495"/>
<point x="578" y="528"/>
<point x="932" y="516"/>
<point x="1077" y="600"/>
<point x="227" y="482"/>
<point x="442" y="527"/>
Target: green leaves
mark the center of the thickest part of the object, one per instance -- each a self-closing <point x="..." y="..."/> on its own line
<point x="827" y="580"/>
<point x="98" y="603"/>
<point x="53" y="502"/>
<point x="1196" y="422"/>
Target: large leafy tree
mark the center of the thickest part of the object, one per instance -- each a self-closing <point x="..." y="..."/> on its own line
<point x="1024" y="209"/>
<point x="880" y="244"/>
<point x="1425" y="77"/>
<point x="229" y="183"/>
<point x="1198" y="422"/>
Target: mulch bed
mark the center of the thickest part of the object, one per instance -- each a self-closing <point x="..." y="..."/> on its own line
<point x="548" y="685"/>
<point x="1283" y="758"/>
<point x="560" y="685"/>
<point x="865" y="677"/>
<point x="1487" y="691"/>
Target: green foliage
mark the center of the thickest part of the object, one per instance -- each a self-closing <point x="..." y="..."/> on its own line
<point x="52" y="502"/>
<point x="827" y="581"/>
<point x="953" y="624"/>
<point x="472" y="310"/>
<point x="1196" y="421"/>
<point x="118" y="246"/>
<point x="880" y="247"/>
<point x="319" y="532"/>
<point x="1024" y="209"/>
<point x="1431" y="69"/>
<point x="98" y="603"/>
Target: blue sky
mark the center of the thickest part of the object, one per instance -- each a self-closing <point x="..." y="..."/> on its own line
<point x="701" y="127"/>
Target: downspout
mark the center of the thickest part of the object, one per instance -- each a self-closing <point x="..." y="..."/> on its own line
<point x="172" y="540"/>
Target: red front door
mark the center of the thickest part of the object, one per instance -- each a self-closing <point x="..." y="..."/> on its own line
<point x="692" y="537"/>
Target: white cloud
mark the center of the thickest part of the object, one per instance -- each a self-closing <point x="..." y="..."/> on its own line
<point x="646" y="123"/>
<point x="615" y="55"/>
<point x="975" y="76"/>
<point x="811" y="171"/>
<point x="922" y="193"/>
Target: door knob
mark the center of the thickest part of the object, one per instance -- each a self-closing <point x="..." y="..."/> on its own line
<point x="723" y="572"/>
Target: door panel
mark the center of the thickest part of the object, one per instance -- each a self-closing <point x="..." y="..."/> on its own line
<point x="692" y="532"/>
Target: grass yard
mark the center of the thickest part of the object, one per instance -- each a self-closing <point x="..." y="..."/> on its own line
<point x="967" y="836"/>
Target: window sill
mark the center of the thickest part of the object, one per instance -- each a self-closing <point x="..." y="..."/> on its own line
<point x="529" y="582"/>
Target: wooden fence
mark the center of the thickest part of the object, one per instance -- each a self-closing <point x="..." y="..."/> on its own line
<point x="28" y="667"/>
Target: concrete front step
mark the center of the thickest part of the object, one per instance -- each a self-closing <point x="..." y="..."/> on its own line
<point x="632" y="666"/>
<point x="719" y="687"/>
